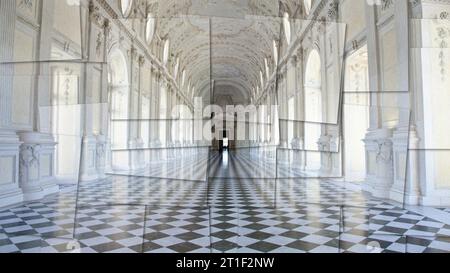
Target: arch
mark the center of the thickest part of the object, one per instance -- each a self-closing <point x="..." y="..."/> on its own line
<point x="118" y="71"/>
<point x="267" y="69"/>
<point x="287" y="27"/>
<point x="166" y="51"/>
<point x="313" y="75"/>
<point x="307" y="4"/>
<point x="126" y="7"/>
<point x="150" y="27"/>
<point x="313" y="106"/>
<point x="183" y="77"/>
<point x="164" y="98"/>
<point x="275" y="53"/>
<point x="118" y="105"/>
<point x="176" y="68"/>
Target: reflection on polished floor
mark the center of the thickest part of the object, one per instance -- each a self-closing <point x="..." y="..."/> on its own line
<point x="228" y="212"/>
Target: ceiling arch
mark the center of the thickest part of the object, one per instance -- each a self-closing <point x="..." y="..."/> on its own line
<point x="227" y="41"/>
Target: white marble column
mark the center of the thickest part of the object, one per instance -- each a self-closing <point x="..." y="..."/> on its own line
<point x="10" y="192"/>
<point x="378" y="141"/>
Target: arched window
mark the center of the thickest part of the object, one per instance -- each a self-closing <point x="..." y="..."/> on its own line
<point x="175" y="69"/>
<point x="287" y="27"/>
<point x="163" y="115"/>
<point x="166" y="51"/>
<point x="308" y="5"/>
<point x="275" y="53"/>
<point x="266" y="64"/>
<point x="313" y="76"/>
<point x="291" y="118"/>
<point x="261" y="77"/>
<point x="313" y="107"/>
<point x="183" y="77"/>
<point x="125" y="7"/>
<point x="119" y="98"/>
<point x="149" y="28"/>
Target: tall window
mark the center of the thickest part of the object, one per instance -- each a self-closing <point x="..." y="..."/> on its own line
<point x="287" y="27"/>
<point x="308" y="5"/>
<point x="266" y="65"/>
<point x="119" y="98"/>
<point x="163" y="115"/>
<point x="166" y="51"/>
<point x="291" y="117"/>
<point x="261" y="120"/>
<point x="356" y="114"/>
<point x="145" y="125"/>
<point x="149" y="28"/>
<point x="125" y="7"/>
<point x="313" y="106"/>
<point x="275" y="54"/>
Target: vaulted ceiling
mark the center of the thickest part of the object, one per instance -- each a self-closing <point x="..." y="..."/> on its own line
<point x="224" y="41"/>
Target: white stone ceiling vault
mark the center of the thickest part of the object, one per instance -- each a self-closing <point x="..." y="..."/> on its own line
<point x="226" y="41"/>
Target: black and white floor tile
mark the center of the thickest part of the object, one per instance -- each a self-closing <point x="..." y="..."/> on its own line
<point x="223" y="214"/>
<point x="447" y="210"/>
<point x="192" y="167"/>
<point x="270" y="230"/>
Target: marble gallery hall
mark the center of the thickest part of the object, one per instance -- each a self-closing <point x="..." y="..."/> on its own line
<point x="232" y="126"/>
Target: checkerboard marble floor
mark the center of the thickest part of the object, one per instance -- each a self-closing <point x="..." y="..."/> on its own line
<point x="229" y="212"/>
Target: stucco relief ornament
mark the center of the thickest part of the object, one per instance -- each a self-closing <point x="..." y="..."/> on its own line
<point x="384" y="152"/>
<point x="443" y="34"/>
<point x="99" y="43"/>
<point x="28" y="4"/>
<point x="386" y="4"/>
<point x="29" y="157"/>
<point x="333" y="11"/>
<point x="94" y="14"/>
<point x="100" y="150"/>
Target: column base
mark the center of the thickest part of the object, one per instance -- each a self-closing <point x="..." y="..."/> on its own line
<point x="8" y="198"/>
<point x="435" y="201"/>
<point x="49" y="187"/>
<point x="33" y="194"/>
<point x="377" y="188"/>
<point x="403" y="197"/>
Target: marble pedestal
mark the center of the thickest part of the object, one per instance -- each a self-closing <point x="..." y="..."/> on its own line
<point x="37" y="175"/>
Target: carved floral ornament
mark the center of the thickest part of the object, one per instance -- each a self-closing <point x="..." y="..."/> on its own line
<point x="333" y="10"/>
<point x="100" y="150"/>
<point x="29" y="155"/>
<point x="384" y="151"/>
<point x="442" y="35"/>
<point x="386" y="4"/>
<point x="28" y="4"/>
